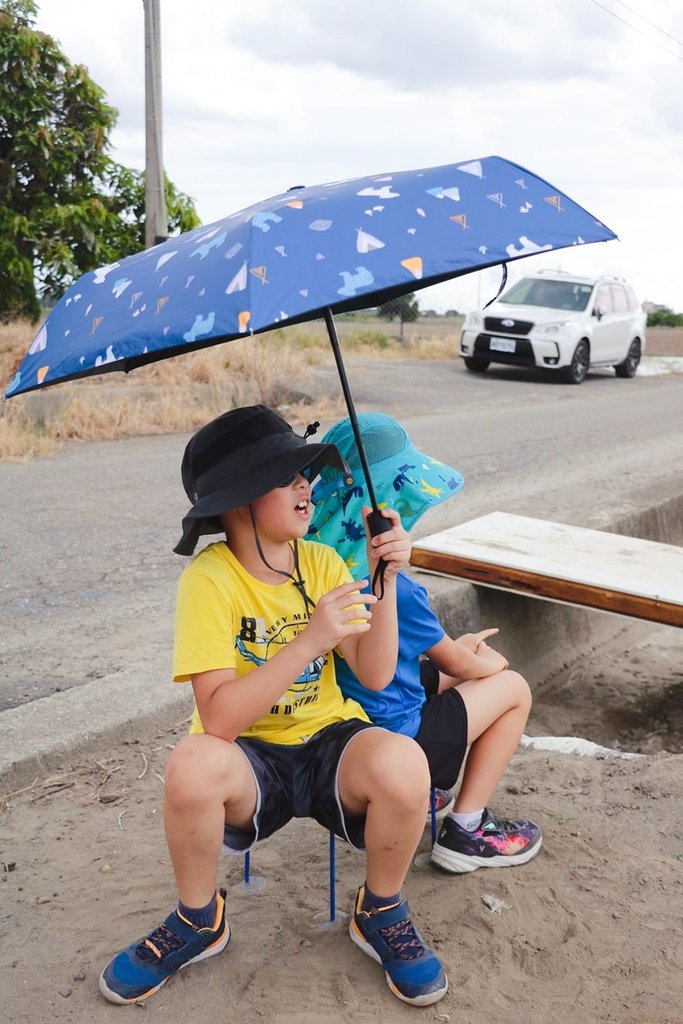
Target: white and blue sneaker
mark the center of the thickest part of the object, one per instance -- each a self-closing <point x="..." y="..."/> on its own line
<point x="413" y="971"/>
<point x="139" y="971"/>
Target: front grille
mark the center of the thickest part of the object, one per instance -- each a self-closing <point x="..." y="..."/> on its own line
<point x="494" y="324"/>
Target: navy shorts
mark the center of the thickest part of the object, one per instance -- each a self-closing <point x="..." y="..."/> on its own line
<point x="443" y="736"/>
<point x="299" y="782"/>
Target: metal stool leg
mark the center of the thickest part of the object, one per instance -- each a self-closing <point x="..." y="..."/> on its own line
<point x="423" y="859"/>
<point x="333" y="880"/>
<point x="432" y="810"/>
<point x="254" y="884"/>
<point x="334" y="917"/>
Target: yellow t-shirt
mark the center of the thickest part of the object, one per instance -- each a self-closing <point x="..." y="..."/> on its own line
<point x="227" y="619"/>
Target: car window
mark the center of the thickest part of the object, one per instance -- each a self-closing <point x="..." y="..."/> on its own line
<point x="603" y="299"/>
<point x="530" y="291"/>
<point x="619" y="300"/>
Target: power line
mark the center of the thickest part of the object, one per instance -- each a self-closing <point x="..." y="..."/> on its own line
<point x="651" y="23"/>
<point x="642" y="34"/>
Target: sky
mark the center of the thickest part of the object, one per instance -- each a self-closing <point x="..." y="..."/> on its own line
<point x="261" y="96"/>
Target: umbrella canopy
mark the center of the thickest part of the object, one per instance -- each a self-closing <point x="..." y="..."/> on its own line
<point x="307" y="253"/>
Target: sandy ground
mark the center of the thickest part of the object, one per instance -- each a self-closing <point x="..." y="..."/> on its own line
<point x="590" y="930"/>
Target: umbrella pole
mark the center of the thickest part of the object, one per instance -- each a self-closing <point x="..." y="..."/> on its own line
<point x="376" y="521"/>
<point x="341" y="369"/>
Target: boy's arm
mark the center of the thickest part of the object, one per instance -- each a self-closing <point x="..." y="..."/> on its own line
<point x="468" y="657"/>
<point x="372" y="656"/>
<point x="229" y="704"/>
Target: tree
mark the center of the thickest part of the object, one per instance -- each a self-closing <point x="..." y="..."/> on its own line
<point x="65" y="206"/>
<point x="405" y="308"/>
<point x="664" y="318"/>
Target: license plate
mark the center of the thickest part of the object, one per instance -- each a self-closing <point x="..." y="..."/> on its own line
<point x="502" y="345"/>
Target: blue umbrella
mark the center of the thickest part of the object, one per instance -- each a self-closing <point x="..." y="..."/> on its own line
<point x="305" y="254"/>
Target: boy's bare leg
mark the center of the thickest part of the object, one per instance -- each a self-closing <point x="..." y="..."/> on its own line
<point x="385" y="776"/>
<point x="497" y="712"/>
<point x="208" y="781"/>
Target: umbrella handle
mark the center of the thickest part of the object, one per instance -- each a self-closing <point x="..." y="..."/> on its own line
<point x="377" y="524"/>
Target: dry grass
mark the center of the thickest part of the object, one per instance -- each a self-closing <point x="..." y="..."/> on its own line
<point x="180" y="394"/>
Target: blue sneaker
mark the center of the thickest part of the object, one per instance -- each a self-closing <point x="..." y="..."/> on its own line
<point x="139" y="971"/>
<point x="413" y="971"/>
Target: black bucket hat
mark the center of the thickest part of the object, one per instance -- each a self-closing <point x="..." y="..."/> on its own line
<point x="239" y="457"/>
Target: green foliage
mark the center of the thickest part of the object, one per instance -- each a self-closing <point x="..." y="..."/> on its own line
<point x="124" y="233"/>
<point x="25" y="9"/>
<point x="404" y="308"/>
<point x="65" y="206"/>
<point x="664" y="318"/>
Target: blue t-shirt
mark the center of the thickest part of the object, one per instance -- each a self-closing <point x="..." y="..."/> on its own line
<point x="399" y="706"/>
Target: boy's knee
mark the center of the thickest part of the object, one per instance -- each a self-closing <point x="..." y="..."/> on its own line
<point x="523" y="691"/>
<point x="192" y="768"/>
<point x="401" y="768"/>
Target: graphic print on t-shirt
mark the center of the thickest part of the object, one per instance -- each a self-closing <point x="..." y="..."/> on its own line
<point x="257" y="643"/>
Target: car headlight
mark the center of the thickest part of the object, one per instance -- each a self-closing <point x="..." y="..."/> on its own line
<point x="472" y="320"/>
<point x="555" y="328"/>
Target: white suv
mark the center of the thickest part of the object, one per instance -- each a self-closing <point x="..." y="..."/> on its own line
<point x="560" y="322"/>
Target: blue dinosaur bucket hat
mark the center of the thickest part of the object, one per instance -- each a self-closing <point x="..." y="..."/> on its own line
<point x="403" y="477"/>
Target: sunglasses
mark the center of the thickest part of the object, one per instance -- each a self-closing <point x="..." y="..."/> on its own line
<point x="305" y="472"/>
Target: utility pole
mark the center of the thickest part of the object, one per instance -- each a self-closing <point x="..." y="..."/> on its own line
<point x="156" y="223"/>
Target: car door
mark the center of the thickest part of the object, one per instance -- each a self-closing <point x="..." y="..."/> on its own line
<point x="604" y="342"/>
<point x="622" y="322"/>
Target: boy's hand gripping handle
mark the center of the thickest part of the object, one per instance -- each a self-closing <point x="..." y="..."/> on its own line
<point x="377" y="524"/>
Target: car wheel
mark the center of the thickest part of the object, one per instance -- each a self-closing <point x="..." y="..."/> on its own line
<point x="630" y="364"/>
<point x="476" y="365"/>
<point x="576" y="372"/>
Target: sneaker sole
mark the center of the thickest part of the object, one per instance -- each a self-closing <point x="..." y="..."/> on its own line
<point x="425" y="1000"/>
<point x="461" y="863"/>
<point x="114" y="997"/>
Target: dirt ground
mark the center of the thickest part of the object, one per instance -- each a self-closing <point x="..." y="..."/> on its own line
<point x="589" y="930"/>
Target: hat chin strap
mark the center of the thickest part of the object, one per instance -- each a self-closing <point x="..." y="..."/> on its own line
<point x="297" y="580"/>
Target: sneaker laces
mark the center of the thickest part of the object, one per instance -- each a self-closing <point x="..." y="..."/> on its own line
<point x="402" y="939"/>
<point x="159" y="944"/>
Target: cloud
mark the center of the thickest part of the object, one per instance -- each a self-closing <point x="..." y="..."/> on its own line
<point x="437" y="43"/>
<point x="258" y="97"/>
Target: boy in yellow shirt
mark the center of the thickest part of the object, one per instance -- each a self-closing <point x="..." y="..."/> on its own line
<point x="258" y="617"/>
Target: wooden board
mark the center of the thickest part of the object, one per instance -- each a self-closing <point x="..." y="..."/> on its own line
<point x="563" y="563"/>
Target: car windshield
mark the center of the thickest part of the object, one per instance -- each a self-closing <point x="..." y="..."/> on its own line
<point x="534" y="291"/>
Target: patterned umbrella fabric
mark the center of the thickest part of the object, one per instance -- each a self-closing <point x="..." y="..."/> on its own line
<point x="307" y="253"/>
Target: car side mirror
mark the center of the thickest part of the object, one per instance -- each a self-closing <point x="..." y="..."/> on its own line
<point x="599" y="312"/>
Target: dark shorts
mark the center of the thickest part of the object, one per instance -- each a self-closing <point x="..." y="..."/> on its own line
<point x="299" y="782"/>
<point x="443" y="736"/>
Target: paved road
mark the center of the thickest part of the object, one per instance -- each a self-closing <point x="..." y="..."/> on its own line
<point x="88" y="576"/>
